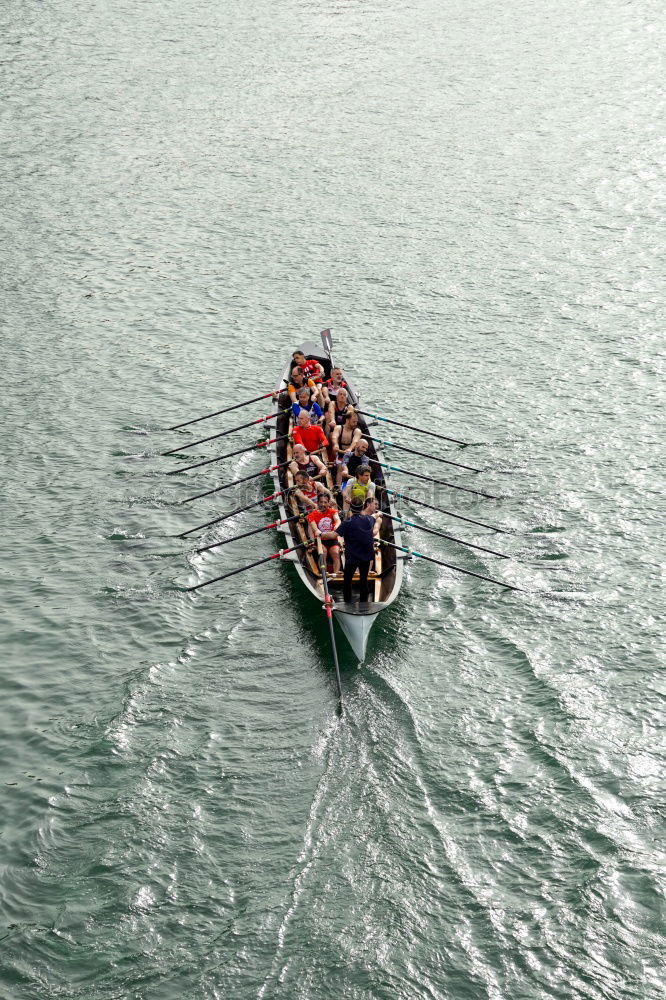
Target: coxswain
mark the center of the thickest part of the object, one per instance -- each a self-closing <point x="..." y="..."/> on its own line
<point x="306" y="490"/>
<point x="310" y="435"/>
<point x="358" y="489"/>
<point x="303" y="461"/>
<point x="359" y="550"/>
<point x="371" y="508"/>
<point x="323" y="523"/>
<point x="306" y="402"/>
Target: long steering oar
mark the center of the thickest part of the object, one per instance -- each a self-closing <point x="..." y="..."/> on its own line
<point x="231" y="513"/>
<point x="442" y="534"/>
<point x="246" y="534"/>
<point x="441" y="510"/>
<point x="458" y="569"/>
<point x="438" y="482"/>
<point x="227" y="409"/>
<point x="192" y="444"/>
<point x="329" y="615"/>
<point x="230" y="454"/>
<point x="409" y="427"/>
<point x="424" y="454"/>
<point x="236" y="482"/>
<point x="225" y="576"/>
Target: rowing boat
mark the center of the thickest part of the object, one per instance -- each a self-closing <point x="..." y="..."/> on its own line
<point x="355" y="619"/>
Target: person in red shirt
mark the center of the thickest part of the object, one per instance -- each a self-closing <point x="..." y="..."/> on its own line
<point x="313" y="371"/>
<point x="309" y="367"/>
<point x="310" y="435"/>
<point x="323" y="523"/>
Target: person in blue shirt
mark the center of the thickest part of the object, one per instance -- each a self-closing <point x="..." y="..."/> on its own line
<point x="358" y="534"/>
<point x="305" y="402"/>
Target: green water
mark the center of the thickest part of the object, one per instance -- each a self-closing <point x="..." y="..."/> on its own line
<point x="470" y="196"/>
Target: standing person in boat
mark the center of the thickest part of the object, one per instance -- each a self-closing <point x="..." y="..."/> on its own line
<point x="343" y="439"/>
<point x="359" y="550"/>
<point x="338" y="409"/>
<point x="358" y="489"/>
<point x="306" y="490"/>
<point x="371" y="508"/>
<point x="323" y="523"/>
<point x="310" y="435"/>
<point x="303" y="461"/>
<point x="305" y="402"/>
<point x="331" y="385"/>
<point x="298" y="381"/>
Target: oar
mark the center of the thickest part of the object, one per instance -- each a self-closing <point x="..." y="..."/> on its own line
<point x="329" y="615"/>
<point x="230" y="454"/>
<point x="231" y="513"/>
<point x="438" y="482"/>
<point x="236" y="482"/>
<point x="432" y="531"/>
<point x="409" y="427"/>
<point x="441" y="510"/>
<point x="327" y="341"/>
<point x="225" y="576"/>
<point x="420" y="555"/>
<point x="217" y="412"/>
<point x="192" y="444"/>
<point x="435" y="458"/>
<point x="246" y="534"/>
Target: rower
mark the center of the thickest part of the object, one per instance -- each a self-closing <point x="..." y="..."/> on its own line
<point x="323" y="523"/>
<point x="313" y="371"/>
<point x="311" y="436"/>
<point x="343" y="439"/>
<point x="355" y="457"/>
<point x="359" y="550"/>
<point x="306" y="490"/>
<point x="310" y="368"/>
<point x="358" y="489"/>
<point x="306" y="402"/>
<point x="331" y="385"/>
<point x="338" y="409"/>
<point x="303" y="461"/>
<point x="298" y="381"/>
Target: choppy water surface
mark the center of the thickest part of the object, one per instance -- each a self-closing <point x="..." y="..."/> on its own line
<point x="471" y="196"/>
